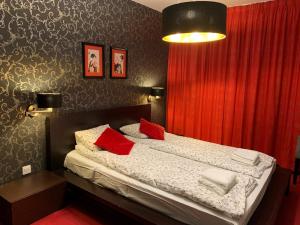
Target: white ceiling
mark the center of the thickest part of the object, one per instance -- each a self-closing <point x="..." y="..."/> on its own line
<point x="159" y="5"/>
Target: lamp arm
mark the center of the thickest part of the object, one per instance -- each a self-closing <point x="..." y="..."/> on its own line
<point x="33" y="110"/>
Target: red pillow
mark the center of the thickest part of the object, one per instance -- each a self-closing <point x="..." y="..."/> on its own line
<point x="114" y="142"/>
<point x="153" y="130"/>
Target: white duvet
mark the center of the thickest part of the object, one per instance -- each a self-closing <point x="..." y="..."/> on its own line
<point x="174" y="174"/>
<point x="206" y="152"/>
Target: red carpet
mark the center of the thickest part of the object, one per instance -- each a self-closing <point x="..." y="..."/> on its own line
<point x="76" y="214"/>
<point x="71" y="215"/>
<point x="289" y="214"/>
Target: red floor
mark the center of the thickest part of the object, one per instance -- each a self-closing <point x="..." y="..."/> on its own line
<point x="289" y="213"/>
<point x="80" y="215"/>
<point x="74" y="215"/>
<point x="71" y="215"/>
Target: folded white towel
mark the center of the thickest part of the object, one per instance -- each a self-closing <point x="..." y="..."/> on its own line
<point x="247" y="154"/>
<point x="245" y="161"/>
<point x="218" y="180"/>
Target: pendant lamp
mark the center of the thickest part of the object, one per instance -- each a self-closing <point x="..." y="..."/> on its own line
<point x="191" y="22"/>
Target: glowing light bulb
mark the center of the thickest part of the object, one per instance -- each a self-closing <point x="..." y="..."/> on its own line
<point x="193" y="37"/>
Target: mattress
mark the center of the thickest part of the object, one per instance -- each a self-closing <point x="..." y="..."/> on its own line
<point x="174" y="206"/>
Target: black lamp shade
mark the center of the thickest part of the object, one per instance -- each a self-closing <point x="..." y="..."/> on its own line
<point x="49" y="100"/>
<point x="197" y="21"/>
<point x="157" y="91"/>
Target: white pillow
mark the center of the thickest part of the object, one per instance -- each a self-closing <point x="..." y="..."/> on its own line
<point x="90" y="136"/>
<point x="133" y="130"/>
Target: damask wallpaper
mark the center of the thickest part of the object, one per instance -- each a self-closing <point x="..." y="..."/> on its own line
<point x="40" y="50"/>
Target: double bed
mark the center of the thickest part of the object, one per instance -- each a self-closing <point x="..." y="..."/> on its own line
<point x="158" y="206"/>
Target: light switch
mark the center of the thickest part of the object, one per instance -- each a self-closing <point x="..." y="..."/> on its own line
<point x="26" y="169"/>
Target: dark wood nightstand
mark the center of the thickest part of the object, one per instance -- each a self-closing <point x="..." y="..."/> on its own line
<point x="296" y="170"/>
<point x="30" y="198"/>
<point x="297" y="161"/>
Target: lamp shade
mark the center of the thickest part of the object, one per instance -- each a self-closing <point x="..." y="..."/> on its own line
<point x="49" y="100"/>
<point x="157" y="91"/>
<point x="198" y="21"/>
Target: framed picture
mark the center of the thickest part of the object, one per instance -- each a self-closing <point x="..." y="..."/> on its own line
<point x="118" y="63"/>
<point x="93" y="60"/>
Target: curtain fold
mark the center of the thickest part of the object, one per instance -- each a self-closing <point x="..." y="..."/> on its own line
<point x="243" y="91"/>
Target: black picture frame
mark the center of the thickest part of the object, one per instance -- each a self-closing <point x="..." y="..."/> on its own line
<point x="118" y="70"/>
<point x="85" y="60"/>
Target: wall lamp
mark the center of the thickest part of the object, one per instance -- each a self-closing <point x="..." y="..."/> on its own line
<point x="45" y="103"/>
<point x="156" y="93"/>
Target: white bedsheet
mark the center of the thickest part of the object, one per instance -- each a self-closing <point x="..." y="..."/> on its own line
<point x="207" y="152"/>
<point x="172" y="205"/>
<point x="174" y="174"/>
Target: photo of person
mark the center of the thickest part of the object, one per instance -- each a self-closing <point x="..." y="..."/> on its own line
<point x="93" y="59"/>
<point x="118" y="63"/>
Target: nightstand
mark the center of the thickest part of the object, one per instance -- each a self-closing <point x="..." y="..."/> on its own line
<point x="30" y="198"/>
<point x="297" y="161"/>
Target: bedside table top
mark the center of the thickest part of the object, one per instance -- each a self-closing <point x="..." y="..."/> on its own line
<point x="29" y="185"/>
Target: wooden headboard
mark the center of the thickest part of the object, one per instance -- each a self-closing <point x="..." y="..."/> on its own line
<point x="60" y="138"/>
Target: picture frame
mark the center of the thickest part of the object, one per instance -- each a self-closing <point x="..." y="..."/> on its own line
<point x="93" y="60"/>
<point x="118" y="63"/>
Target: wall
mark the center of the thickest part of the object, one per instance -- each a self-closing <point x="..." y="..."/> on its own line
<point x="40" y="50"/>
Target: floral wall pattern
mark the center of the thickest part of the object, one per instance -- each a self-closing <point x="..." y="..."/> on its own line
<point x="40" y="50"/>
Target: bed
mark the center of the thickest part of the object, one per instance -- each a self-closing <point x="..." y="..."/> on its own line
<point x="160" y="208"/>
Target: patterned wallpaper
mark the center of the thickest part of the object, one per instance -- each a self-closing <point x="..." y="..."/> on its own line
<point x="40" y="50"/>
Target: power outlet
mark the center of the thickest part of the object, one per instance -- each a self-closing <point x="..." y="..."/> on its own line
<point x="26" y="169"/>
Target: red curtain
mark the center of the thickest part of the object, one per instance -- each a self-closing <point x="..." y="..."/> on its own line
<point x="243" y="91"/>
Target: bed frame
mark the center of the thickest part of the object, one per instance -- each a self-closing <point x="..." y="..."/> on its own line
<point x="60" y="140"/>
